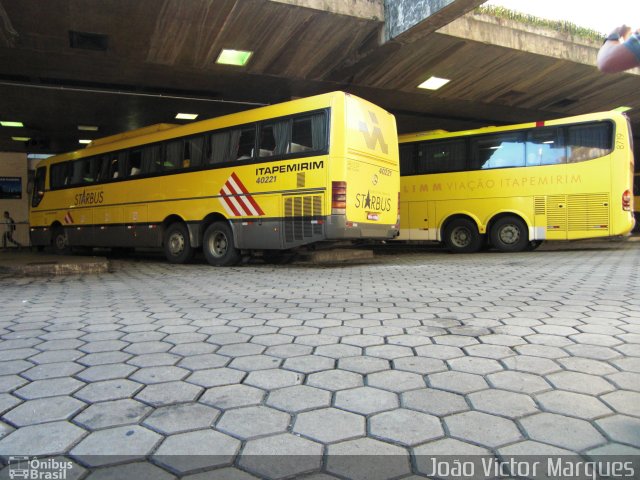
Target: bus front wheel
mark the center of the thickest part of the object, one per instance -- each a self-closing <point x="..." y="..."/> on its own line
<point x="60" y="241"/>
<point x="217" y="245"/>
<point x="462" y="236"/>
<point x="177" y="247"/>
<point x="510" y="234"/>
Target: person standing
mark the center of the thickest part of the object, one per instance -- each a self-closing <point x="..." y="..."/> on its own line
<point x="620" y="51"/>
<point x="10" y="227"/>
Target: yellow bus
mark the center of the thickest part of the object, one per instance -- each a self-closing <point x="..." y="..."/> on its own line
<point x="512" y="187"/>
<point x="280" y="177"/>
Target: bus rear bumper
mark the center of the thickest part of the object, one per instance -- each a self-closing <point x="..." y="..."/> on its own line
<point x="338" y="228"/>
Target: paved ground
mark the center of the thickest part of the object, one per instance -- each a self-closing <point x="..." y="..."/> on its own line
<point x="411" y="355"/>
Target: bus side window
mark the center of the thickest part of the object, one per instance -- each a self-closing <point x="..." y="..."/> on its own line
<point x="586" y="142"/>
<point x="134" y="165"/>
<point x="246" y="143"/>
<point x="103" y="169"/>
<point x="173" y="155"/>
<point x="545" y="147"/>
<point x="440" y="157"/>
<point x="194" y="152"/>
<point x="408" y="158"/>
<point x="76" y="176"/>
<point x="275" y="138"/>
<point x="498" y="151"/>
<point x="221" y="146"/>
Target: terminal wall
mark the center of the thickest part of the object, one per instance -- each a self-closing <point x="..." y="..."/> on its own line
<point x="15" y="165"/>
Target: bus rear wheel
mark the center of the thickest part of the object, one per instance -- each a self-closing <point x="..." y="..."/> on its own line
<point x="177" y="247"/>
<point x="218" y="247"/>
<point x="462" y="236"/>
<point x="510" y="234"/>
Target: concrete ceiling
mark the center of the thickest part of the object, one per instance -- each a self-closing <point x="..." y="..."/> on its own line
<point x="154" y="58"/>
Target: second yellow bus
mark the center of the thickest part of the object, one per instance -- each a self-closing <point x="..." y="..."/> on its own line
<point x="515" y="186"/>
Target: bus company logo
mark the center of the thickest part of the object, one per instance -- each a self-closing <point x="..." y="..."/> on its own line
<point x="374" y="137"/>
<point x="236" y="199"/>
<point x="68" y="219"/>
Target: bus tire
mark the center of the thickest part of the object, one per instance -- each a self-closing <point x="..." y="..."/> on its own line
<point x="177" y="247"/>
<point x="461" y="236"/>
<point x="60" y="241"/>
<point x="218" y="247"/>
<point x="510" y="234"/>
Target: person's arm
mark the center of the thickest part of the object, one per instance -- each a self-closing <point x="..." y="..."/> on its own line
<point x="619" y="54"/>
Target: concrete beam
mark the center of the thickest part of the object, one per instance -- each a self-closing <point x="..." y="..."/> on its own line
<point x="365" y="9"/>
<point x="526" y="38"/>
<point x="409" y="20"/>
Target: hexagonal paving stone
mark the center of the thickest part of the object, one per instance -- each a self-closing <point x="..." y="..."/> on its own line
<point x="518" y="382"/>
<point x="230" y="396"/>
<point x="161" y="374"/>
<point x="580" y="383"/>
<point x="272" y="379"/>
<point x="529" y="364"/>
<point x="624" y="402"/>
<point x="308" y="363"/>
<point x="281" y="456"/>
<point x="457" y="382"/>
<point x="215" y="377"/>
<point x="187" y="452"/>
<point x="335" y="380"/>
<point x="336" y="351"/>
<point x="573" y="404"/>
<point x="366" y="400"/>
<point x="396" y="380"/>
<point x="181" y="418"/>
<point x="255" y="362"/>
<point x="363" y="364"/>
<point x="112" y="414"/>
<point x="482" y="428"/>
<point x="383" y="460"/>
<point x="441" y="352"/>
<point x="570" y="433"/>
<point x="421" y="365"/>
<point x="43" y="410"/>
<point x="407" y="427"/>
<point x="436" y="402"/>
<point x="479" y="365"/>
<point x="389" y="352"/>
<point x="52" y="370"/>
<point x="48" y="388"/>
<point x="448" y="449"/>
<point x="248" y="422"/>
<point x="504" y="403"/>
<point x="299" y="398"/>
<point x="241" y="349"/>
<point x="54" y="438"/>
<point x="329" y="425"/>
<point x="116" y="445"/>
<point x="204" y="361"/>
<point x="108" y="390"/>
<point x="621" y="428"/>
<point x="106" y="372"/>
<point x="168" y="393"/>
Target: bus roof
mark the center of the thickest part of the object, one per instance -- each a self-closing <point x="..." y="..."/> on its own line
<point x="437" y="134"/>
<point x="166" y="131"/>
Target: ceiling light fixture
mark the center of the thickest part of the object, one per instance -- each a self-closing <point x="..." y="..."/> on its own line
<point x="187" y="116"/>
<point x="88" y="128"/>
<point x="238" y="58"/>
<point x="6" y="123"/>
<point x="434" y="83"/>
<point x="21" y="139"/>
<point x="84" y="141"/>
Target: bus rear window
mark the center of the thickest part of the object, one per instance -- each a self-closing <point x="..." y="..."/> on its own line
<point x="589" y="141"/>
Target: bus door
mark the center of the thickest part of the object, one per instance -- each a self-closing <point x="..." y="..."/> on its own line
<point x="421" y="216"/>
